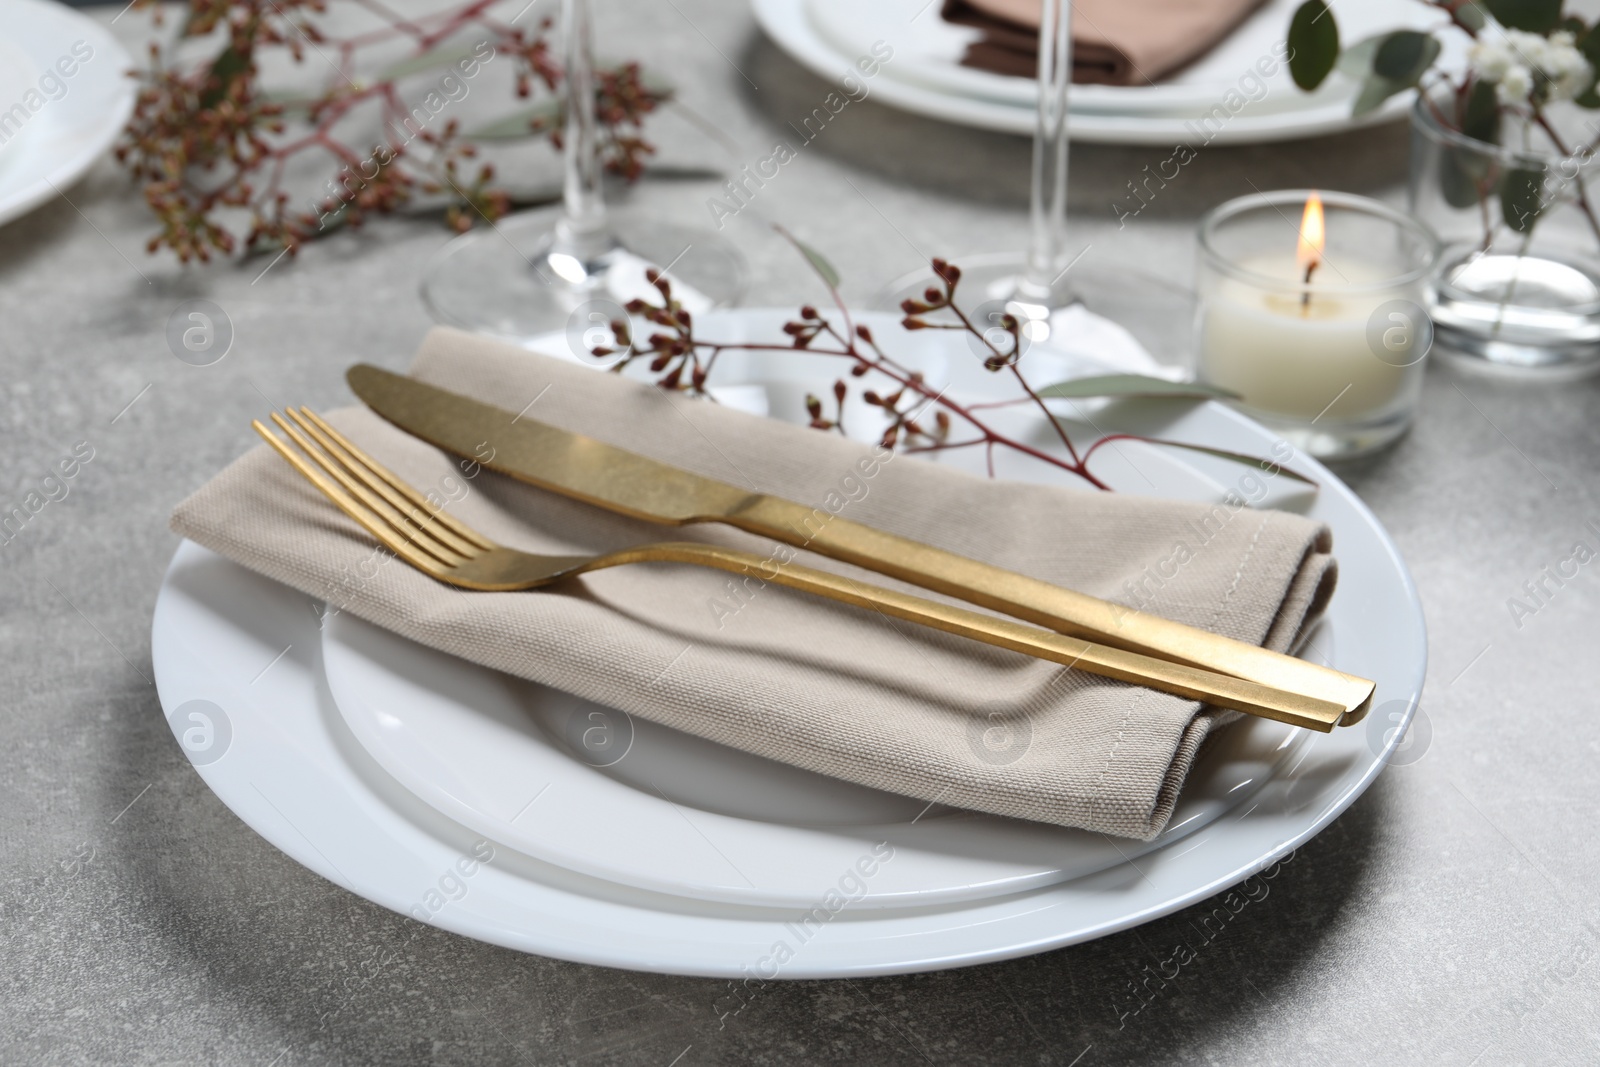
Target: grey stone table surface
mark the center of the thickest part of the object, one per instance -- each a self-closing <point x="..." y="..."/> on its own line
<point x="1447" y="918"/>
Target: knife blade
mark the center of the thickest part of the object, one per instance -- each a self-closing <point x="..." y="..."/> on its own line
<point x="584" y="468"/>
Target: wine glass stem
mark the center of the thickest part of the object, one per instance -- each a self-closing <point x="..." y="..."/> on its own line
<point x="583" y="227"/>
<point x="1048" y="195"/>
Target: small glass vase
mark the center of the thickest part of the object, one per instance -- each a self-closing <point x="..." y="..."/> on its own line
<point x="1517" y="287"/>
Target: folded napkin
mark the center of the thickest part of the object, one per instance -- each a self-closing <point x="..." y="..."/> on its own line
<point x="1114" y="42"/>
<point x="835" y="689"/>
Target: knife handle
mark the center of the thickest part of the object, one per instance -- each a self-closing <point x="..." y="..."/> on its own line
<point x="1043" y="604"/>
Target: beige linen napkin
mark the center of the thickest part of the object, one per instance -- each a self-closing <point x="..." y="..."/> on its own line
<point x="839" y="690"/>
<point x="1114" y="42"/>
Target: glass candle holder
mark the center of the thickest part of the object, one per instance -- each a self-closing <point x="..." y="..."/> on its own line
<point x="1311" y="310"/>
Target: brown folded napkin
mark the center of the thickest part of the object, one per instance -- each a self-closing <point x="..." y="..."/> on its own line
<point x="835" y="689"/>
<point x="1114" y="42"/>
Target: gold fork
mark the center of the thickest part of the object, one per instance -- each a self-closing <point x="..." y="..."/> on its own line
<point x="446" y="549"/>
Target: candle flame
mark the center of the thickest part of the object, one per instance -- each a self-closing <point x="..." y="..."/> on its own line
<point x="1312" y="235"/>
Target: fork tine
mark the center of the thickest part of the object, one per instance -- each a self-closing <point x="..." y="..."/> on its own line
<point x="404" y="505"/>
<point x="398" y="484"/>
<point x="401" y="525"/>
<point x="373" y="524"/>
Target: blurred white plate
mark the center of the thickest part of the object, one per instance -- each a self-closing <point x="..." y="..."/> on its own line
<point x="928" y="51"/>
<point x="18" y="75"/>
<point x="55" y="124"/>
<point x="789" y="25"/>
<point x="245" y="655"/>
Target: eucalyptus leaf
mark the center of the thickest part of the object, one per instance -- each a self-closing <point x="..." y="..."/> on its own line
<point x="1356" y="61"/>
<point x="1404" y="56"/>
<point x="1480" y="118"/>
<point x="817" y="260"/>
<point x="517" y="124"/>
<point x="1399" y="60"/>
<point x="1313" y="44"/>
<point x="1534" y="16"/>
<point x="1522" y="198"/>
<point x="1259" y="462"/>
<point x="1589" y="45"/>
<point x="1465" y="176"/>
<point x="1374" y="91"/>
<point x="229" y="66"/>
<point x="1472" y="16"/>
<point x="819" y="263"/>
<point x="430" y="60"/>
<point x="1134" y="385"/>
<point x="1241" y="457"/>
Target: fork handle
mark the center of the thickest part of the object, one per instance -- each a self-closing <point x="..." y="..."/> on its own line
<point x="1061" y="610"/>
<point x="1182" y="680"/>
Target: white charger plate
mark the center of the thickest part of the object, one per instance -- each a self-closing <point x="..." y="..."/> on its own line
<point x="288" y="764"/>
<point x="928" y="51"/>
<point x="60" y="141"/>
<point x="790" y="27"/>
<point x="680" y="815"/>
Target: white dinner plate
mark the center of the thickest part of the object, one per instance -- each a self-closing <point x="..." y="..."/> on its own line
<point x="67" y="108"/>
<point x="928" y="51"/>
<point x="507" y="757"/>
<point x="238" y="663"/>
<point x="788" y="24"/>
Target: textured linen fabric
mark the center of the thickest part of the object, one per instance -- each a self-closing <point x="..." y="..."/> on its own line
<point x="838" y="690"/>
<point x="1114" y="42"/>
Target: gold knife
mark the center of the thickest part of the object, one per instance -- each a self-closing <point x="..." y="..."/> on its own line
<point x="609" y="477"/>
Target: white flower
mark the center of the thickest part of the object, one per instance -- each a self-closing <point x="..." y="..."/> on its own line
<point x="1566" y="68"/>
<point x="1518" y="61"/>
<point x="1515" y="85"/>
<point x="1530" y="50"/>
<point x="1490" y="60"/>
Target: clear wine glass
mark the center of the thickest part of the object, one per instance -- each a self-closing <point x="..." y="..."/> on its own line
<point x="1038" y="285"/>
<point x="530" y="273"/>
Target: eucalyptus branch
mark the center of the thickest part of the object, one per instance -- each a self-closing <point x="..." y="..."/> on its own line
<point x="1525" y="55"/>
<point x="207" y="136"/>
<point x="682" y="361"/>
<point x="1582" y="195"/>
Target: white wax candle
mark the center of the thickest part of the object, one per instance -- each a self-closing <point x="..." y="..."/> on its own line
<point x="1295" y="359"/>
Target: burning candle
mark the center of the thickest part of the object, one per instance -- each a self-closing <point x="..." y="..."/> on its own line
<point x="1318" y="326"/>
<point x="1308" y="251"/>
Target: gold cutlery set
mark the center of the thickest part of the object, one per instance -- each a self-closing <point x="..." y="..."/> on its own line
<point x="1078" y="631"/>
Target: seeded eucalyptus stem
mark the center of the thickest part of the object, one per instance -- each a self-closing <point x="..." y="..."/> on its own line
<point x="209" y="141"/>
<point x="683" y="362"/>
